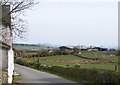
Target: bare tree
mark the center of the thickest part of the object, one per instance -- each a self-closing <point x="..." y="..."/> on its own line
<point x="17" y="25"/>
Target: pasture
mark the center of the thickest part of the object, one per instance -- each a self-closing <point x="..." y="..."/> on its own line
<point x="107" y="60"/>
<point x="85" y="69"/>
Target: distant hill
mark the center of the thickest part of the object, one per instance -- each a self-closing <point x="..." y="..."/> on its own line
<point x="31" y="46"/>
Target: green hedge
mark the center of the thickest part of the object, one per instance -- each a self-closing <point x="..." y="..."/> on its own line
<point x="93" y="75"/>
<point x="21" y="61"/>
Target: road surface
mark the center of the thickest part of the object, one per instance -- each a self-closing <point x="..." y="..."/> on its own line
<point x="30" y="75"/>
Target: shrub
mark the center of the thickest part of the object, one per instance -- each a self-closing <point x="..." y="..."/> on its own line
<point x="35" y="65"/>
<point x="77" y="65"/>
<point x="43" y="53"/>
<point x="65" y="53"/>
<point x="67" y="65"/>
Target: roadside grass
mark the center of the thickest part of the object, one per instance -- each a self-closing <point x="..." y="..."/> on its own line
<point x="16" y="79"/>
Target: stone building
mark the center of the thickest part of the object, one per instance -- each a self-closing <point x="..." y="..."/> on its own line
<point x="6" y="52"/>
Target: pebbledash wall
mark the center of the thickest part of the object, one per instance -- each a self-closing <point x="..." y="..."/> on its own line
<point x="6" y="52"/>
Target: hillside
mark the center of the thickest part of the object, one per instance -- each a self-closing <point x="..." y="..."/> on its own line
<point x="30" y="46"/>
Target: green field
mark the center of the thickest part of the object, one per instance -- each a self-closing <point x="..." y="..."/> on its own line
<point x="85" y="68"/>
<point x="107" y="61"/>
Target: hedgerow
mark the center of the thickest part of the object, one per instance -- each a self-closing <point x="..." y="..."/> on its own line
<point x="77" y="73"/>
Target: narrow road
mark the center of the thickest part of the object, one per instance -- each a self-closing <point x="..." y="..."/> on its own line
<point x="34" y="76"/>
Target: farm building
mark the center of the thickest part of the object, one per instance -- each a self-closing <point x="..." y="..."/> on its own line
<point x="83" y="48"/>
<point x="6" y="52"/>
<point x="93" y="49"/>
<point x="70" y="49"/>
<point x="101" y="49"/>
<point x="66" y="49"/>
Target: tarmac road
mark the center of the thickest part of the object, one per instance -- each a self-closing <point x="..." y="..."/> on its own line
<point x="30" y="75"/>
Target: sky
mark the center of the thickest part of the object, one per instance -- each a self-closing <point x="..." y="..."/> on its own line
<point x="73" y="22"/>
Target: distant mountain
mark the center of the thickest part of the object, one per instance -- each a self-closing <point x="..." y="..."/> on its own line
<point x="48" y="45"/>
<point x="38" y="46"/>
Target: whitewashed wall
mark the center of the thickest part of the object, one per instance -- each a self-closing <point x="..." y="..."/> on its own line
<point x="10" y="65"/>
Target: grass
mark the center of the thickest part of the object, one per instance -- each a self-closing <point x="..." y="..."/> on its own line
<point x="107" y="61"/>
<point x="98" y="54"/>
<point x="63" y="57"/>
<point x="92" y="54"/>
<point x="88" y="66"/>
<point x="16" y="80"/>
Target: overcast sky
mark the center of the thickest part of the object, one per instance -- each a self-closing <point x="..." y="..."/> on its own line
<point x="73" y="22"/>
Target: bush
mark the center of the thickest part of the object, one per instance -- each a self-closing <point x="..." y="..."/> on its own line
<point x="65" y="53"/>
<point x="43" y="53"/>
<point x="77" y="65"/>
<point x="57" y="52"/>
<point x="35" y="65"/>
<point x="67" y="65"/>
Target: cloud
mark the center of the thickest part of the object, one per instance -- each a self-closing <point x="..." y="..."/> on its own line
<point x="79" y="1"/>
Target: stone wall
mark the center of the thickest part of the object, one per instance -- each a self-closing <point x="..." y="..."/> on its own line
<point x="5" y="41"/>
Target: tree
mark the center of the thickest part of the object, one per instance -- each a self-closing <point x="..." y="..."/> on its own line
<point x="18" y="26"/>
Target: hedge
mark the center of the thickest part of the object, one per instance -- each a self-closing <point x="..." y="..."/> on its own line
<point x="93" y="75"/>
